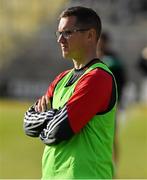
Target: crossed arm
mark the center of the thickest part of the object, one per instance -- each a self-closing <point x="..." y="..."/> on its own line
<point x="92" y="95"/>
<point x="51" y="126"/>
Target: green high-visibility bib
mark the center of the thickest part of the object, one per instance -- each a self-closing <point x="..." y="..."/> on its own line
<point x="88" y="154"/>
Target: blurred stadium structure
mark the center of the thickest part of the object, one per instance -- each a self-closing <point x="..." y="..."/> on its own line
<point x="30" y="57"/>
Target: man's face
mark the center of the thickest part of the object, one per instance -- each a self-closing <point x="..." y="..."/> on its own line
<point x="72" y="42"/>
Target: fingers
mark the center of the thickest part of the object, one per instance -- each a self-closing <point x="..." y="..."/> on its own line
<point x="48" y="103"/>
<point x="43" y="104"/>
<point x="38" y="107"/>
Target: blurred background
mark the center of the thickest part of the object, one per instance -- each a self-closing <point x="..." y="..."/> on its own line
<point x="30" y="59"/>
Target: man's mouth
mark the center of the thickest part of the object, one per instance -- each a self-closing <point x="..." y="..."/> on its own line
<point x="64" y="47"/>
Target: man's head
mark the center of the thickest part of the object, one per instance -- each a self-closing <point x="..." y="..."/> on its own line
<point x="79" y="27"/>
<point x="86" y="18"/>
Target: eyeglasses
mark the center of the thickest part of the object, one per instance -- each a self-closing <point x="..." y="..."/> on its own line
<point x="66" y="34"/>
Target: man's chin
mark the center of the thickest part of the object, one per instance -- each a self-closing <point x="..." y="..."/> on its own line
<point x="65" y="55"/>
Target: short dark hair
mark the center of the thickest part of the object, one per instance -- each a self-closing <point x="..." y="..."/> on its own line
<point x="86" y="17"/>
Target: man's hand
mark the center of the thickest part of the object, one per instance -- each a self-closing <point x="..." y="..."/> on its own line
<point x="43" y="104"/>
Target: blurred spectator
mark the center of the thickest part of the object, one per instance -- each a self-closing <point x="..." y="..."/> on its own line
<point x="142" y="65"/>
<point x="111" y="59"/>
<point x="143" y="61"/>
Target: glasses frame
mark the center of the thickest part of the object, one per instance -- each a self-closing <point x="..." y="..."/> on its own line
<point x="68" y="33"/>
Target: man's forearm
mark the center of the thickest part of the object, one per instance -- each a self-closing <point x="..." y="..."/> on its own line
<point x="34" y="122"/>
<point x="52" y="126"/>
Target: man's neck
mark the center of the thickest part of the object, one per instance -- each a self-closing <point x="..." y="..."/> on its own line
<point x="79" y="63"/>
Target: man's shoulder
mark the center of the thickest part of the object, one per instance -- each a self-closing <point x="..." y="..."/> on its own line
<point x="98" y="72"/>
<point x="60" y="76"/>
<point x="95" y="77"/>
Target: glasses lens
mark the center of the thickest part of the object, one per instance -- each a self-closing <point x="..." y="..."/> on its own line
<point x="68" y="33"/>
<point x="58" y="34"/>
<point x="65" y="34"/>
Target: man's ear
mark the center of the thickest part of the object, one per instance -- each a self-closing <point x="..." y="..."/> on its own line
<point x="91" y="34"/>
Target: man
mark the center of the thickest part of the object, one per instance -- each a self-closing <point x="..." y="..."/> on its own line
<point x="78" y="125"/>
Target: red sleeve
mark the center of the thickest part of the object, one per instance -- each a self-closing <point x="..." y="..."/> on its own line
<point x="91" y="96"/>
<point x="52" y="86"/>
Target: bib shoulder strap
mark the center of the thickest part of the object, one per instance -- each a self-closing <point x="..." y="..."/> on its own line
<point x="98" y="65"/>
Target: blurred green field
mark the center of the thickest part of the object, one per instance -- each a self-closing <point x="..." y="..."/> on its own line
<point x="20" y="156"/>
<point x="133" y="143"/>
